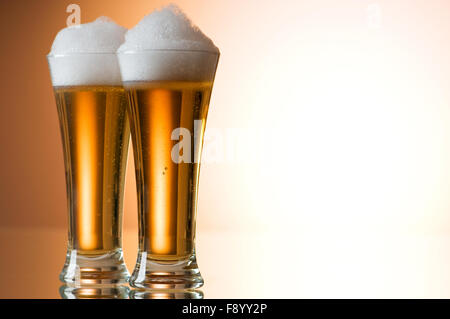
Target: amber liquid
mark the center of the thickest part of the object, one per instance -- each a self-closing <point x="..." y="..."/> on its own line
<point x="95" y="134"/>
<point x="167" y="191"/>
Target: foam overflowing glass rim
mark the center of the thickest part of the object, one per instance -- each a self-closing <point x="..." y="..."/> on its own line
<point x="168" y="64"/>
<point x="84" y="68"/>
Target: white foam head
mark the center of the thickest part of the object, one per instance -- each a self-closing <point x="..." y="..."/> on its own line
<point x="165" y="45"/>
<point x="168" y="28"/>
<point x="84" y="54"/>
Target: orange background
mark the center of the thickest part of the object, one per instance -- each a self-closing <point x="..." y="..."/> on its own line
<point x="349" y="193"/>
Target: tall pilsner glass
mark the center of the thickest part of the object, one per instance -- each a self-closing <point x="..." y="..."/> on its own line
<point x="95" y="136"/>
<point x="168" y="93"/>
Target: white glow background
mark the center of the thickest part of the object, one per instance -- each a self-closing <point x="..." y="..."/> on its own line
<point x="351" y="196"/>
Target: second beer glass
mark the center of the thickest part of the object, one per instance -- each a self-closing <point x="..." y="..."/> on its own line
<point x="168" y="92"/>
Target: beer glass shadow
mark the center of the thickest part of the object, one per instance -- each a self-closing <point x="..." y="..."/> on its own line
<point x="109" y="292"/>
<point x="166" y="294"/>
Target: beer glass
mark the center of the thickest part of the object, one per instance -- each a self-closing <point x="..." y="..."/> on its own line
<point x="95" y="133"/>
<point x="168" y="93"/>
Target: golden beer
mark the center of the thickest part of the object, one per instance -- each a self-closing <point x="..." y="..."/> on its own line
<point x="167" y="186"/>
<point x="95" y="133"/>
<point x="167" y="190"/>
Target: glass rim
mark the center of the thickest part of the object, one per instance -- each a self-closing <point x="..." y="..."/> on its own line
<point x="168" y="50"/>
<point x="72" y="54"/>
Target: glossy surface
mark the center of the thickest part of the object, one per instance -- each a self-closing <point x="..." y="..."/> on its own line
<point x="237" y="265"/>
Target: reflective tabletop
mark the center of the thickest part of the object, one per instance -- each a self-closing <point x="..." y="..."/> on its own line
<point x="266" y="264"/>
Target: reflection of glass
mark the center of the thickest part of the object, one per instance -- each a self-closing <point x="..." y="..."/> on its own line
<point x="95" y="134"/>
<point x="166" y="294"/>
<point x="113" y="292"/>
<point x="169" y="100"/>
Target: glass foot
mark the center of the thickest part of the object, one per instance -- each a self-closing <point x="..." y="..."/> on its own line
<point x="82" y="270"/>
<point x="117" y="292"/>
<point x="160" y="274"/>
<point x="166" y="294"/>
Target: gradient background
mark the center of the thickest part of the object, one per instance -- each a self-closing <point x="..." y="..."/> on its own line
<point x="347" y="195"/>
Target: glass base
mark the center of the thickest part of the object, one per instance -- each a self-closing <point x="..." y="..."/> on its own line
<point x="84" y="270"/>
<point x="113" y="292"/>
<point x="159" y="274"/>
<point x="166" y="294"/>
